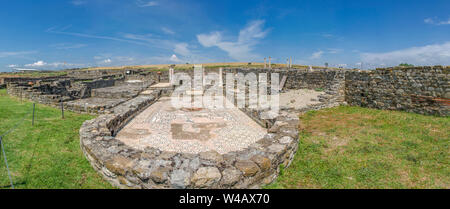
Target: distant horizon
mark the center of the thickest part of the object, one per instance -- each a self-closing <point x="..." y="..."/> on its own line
<point x="342" y="33"/>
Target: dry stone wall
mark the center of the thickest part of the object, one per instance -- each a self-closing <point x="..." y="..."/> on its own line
<point x="423" y="90"/>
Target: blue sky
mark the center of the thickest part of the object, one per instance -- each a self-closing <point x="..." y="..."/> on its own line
<point x="79" y="33"/>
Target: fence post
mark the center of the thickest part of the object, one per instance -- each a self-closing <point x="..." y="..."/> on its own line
<point x="6" y="163"/>
<point x="62" y="109"/>
<point x="34" y="106"/>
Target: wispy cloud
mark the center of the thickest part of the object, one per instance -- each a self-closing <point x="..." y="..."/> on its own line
<point x="167" y="31"/>
<point x="317" y="55"/>
<point x="84" y="35"/>
<point x="423" y="55"/>
<point x="242" y="49"/>
<point x="182" y="49"/>
<point x="19" y="53"/>
<point x="437" y="22"/>
<point x="141" y="3"/>
<point x="68" y="46"/>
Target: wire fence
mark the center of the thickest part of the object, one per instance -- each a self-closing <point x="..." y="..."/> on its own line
<point x="18" y="124"/>
<point x="10" y="130"/>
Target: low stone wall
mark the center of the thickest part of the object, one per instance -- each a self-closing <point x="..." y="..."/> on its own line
<point x="125" y="90"/>
<point x="52" y="92"/>
<point x="423" y="90"/>
<point x="126" y="167"/>
<point x="93" y="105"/>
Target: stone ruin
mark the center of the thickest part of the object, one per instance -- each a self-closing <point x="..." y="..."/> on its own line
<point x="93" y="92"/>
<point x="139" y="141"/>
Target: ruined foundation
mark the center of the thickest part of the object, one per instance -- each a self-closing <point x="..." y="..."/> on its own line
<point x="140" y="141"/>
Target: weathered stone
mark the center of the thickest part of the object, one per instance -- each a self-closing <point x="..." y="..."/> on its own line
<point x="167" y="155"/>
<point x="194" y="164"/>
<point x="230" y="177"/>
<point x="247" y="167"/>
<point x="160" y="174"/>
<point x="276" y="127"/>
<point x="150" y="152"/>
<point x="180" y="179"/>
<point x="205" y="177"/>
<point x="142" y="169"/>
<point x="119" y="165"/>
<point x="287" y="131"/>
<point x="286" y="140"/>
<point x="213" y="156"/>
<point x="276" y="148"/>
<point x="263" y="162"/>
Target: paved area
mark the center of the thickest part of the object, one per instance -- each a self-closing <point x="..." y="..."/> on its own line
<point x="191" y="130"/>
<point x="128" y="90"/>
<point x="161" y="85"/>
<point x="300" y="98"/>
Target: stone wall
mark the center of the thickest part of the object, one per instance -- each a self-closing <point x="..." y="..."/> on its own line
<point x="53" y="91"/>
<point x="423" y="90"/>
<point x="126" y="167"/>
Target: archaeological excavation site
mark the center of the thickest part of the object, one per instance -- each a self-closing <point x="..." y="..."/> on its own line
<point x="139" y="139"/>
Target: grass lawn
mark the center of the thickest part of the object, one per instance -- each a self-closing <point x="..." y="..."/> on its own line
<point x="353" y="147"/>
<point x="48" y="154"/>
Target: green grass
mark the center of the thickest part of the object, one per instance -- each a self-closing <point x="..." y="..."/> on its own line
<point x="48" y="154"/>
<point x="37" y="74"/>
<point x="353" y="147"/>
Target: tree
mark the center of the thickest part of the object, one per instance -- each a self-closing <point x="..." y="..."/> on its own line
<point x="405" y="65"/>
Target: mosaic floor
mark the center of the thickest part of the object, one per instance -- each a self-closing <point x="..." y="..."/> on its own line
<point x="191" y="130"/>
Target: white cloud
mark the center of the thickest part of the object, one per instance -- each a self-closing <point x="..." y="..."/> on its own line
<point x="11" y="66"/>
<point x="41" y="64"/>
<point x="37" y="64"/>
<point x="429" y="21"/>
<point x="141" y="3"/>
<point x="182" y="48"/>
<point x="241" y="49"/>
<point x="167" y="31"/>
<point x="107" y="61"/>
<point x="210" y="40"/>
<point x="436" y="54"/>
<point x="437" y="22"/>
<point x="316" y="55"/>
<point x="174" y="58"/>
